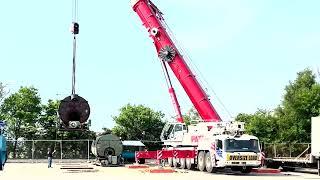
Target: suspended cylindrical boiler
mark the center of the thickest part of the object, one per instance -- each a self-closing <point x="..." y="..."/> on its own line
<point x="74" y="111"/>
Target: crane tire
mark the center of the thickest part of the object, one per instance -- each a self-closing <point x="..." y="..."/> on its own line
<point x="201" y="161"/>
<point x="170" y="162"/>
<point x="209" y="166"/>
<point x="141" y="161"/>
<point x="175" y="162"/>
<point x="183" y="163"/>
<point x="189" y="164"/>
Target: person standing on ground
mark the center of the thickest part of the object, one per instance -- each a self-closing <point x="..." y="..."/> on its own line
<point x="50" y="155"/>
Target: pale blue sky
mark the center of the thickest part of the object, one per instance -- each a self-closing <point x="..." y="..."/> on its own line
<point x="247" y="50"/>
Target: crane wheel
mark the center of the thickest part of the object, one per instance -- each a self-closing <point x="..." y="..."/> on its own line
<point x="246" y="170"/>
<point x="201" y="161"/>
<point x="182" y="163"/>
<point x="170" y="163"/>
<point x="141" y="161"/>
<point x="175" y="162"/>
<point x="209" y="166"/>
<point x="189" y="164"/>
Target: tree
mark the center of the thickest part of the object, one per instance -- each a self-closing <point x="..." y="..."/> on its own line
<point x="2" y="92"/>
<point x="191" y="115"/>
<point x="21" y="111"/>
<point x="290" y="121"/>
<point x="48" y="119"/>
<point x="186" y="119"/>
<point x="261" y="124"/>
<point x="137" y="122"/>
<point x="301" y="102"/>
<point x="106" y="131"/>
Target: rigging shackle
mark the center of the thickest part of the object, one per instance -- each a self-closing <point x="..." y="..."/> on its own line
<point x="74" y="28"/>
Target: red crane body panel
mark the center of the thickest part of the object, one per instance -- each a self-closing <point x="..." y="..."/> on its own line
<point x="151" y="20"/>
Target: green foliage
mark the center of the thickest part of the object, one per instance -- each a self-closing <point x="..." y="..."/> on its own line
<point x="21" y="111"/>
<point x="28" y="119"/>
<point x="76" y="135"/>
<point x="301" y="102"/>
<point x="191" y="115"/>
<point x="48" y="119"/>
<point x="186" y="119"/>
<point x="137" y="122"/>
<point x="261" y="124"/>
<point x="105" y="131"/>
<point x="290" y="121"/>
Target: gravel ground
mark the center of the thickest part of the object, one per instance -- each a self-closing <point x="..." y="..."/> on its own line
<point x="37" y="171"/>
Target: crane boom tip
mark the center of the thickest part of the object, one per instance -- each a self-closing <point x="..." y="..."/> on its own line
<point x="134" y="2"/>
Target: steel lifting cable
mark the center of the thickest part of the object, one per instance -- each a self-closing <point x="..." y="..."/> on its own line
<point x="75" y="30"/>
<point x="74" y="66"/>
<point x="165" y="74"/>
<point x="187" y="58"/>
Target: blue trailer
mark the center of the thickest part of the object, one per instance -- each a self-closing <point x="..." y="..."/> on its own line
<point x="3" y="146"/>
<point x="3" y="151"/>
<point x="129" y="149"/>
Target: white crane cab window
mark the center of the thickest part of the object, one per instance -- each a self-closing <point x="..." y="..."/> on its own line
<point x="178" y="127"/>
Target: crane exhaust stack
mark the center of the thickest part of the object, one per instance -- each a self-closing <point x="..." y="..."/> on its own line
<point x="74" y="112"/>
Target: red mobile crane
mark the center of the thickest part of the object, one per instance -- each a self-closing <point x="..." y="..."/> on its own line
<point x="152" y="19"/>
<point x="206" y="145"/>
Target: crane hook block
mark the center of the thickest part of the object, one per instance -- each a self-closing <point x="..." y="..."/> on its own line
<point x="74" y="28"/>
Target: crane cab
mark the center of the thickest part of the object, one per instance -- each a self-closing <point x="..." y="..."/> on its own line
<point x="173" y="131"/>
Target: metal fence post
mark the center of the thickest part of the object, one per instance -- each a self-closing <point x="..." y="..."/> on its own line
<point x="61" y="150"/>
<point x="32" y="151"/>
<point x="290" y="150"/>
<point x="275" y="150"/>
<point x="88" y="150"/>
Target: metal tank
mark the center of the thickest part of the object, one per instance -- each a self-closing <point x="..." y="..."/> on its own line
<point x="107" y="149"/>
<point x="74" y="112"/>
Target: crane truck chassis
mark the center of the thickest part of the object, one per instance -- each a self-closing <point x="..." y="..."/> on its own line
<point x="209" y="144"/>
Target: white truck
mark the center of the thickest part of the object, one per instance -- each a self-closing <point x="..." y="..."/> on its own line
<point x="215" y="145"/>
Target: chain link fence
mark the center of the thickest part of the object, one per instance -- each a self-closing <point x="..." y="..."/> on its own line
<point x="287" y="150"/>
<point x="36" y="150"/>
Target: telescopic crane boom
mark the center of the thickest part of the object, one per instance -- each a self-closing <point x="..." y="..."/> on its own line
<point x="206" y="145"/>
<point x="152" y="19"/>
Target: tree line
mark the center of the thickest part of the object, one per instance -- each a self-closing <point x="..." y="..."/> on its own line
<point x="290" y="121"/>
<point x="28" y="118"/>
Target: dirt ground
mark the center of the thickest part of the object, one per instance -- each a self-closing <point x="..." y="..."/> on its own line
<point x="40" y="171"/>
